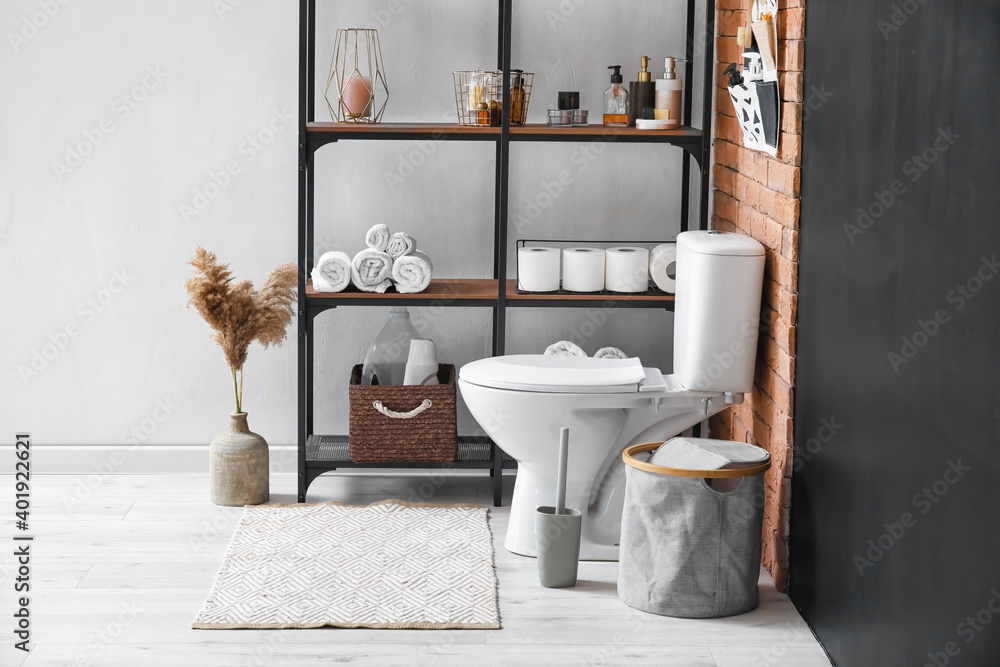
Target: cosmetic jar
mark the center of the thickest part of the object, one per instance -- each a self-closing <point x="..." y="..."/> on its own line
<point x="579" y="116"/>
<point x="569" y="99"/>
<point x="560" y="117"/>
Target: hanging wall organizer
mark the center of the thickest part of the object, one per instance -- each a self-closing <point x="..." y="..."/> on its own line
<point x="755" y="91"/>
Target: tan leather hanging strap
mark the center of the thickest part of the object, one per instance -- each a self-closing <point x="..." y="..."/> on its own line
<point x="628" y="456"/>
<point x="744" y="36"/>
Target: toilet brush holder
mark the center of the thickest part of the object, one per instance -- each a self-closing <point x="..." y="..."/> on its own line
<point x="558" y="541"/>
<point x="557" y="530"/>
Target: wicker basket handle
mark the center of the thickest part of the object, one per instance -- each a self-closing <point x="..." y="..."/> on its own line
<point x="402" y="415"/>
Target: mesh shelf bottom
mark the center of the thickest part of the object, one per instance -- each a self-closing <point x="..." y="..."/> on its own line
<point x="335" y="449"/>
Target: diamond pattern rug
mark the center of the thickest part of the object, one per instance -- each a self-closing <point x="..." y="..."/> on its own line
<point x="391" y="564"/>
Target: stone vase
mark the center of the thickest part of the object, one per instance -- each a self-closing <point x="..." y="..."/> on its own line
<point x="238" y="464"/>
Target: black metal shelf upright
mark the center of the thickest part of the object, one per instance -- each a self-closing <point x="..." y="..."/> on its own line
<point x="317" y="453"/>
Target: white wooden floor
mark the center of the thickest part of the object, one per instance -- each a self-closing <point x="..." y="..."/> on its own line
<point x="122" y="564"/>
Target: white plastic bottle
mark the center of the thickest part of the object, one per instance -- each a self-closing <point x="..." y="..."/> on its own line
<point x="385" y="363"/>
<point x="668" y="95"/>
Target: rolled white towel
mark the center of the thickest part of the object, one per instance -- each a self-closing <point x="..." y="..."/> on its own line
<point x="370" y="270"/>
<point x="377" y="237"/>
<point x="332" y="272"/>
<point x="565" y="348"/>
<point x="412" y="273"/>
<point x="400" y="244"/>
<point x="610" y="353"/>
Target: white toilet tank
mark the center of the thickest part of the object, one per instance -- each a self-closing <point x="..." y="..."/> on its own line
<point x="720" y="277"/>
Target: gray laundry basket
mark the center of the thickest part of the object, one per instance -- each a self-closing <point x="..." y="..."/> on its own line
<point x="688" y="549"/>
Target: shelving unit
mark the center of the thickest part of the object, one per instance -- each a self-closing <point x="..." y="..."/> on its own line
<point x="319" y="453"/>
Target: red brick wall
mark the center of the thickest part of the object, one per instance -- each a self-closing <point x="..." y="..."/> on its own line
<point x="759" y="195"/>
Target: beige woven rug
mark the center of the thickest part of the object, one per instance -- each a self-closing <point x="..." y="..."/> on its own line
<point x="391" y="564"/>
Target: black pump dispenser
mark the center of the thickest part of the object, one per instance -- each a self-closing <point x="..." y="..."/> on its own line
<point x="641" y="93"/>
<point x="735" y="78"/>
<point x="617" y="76"/>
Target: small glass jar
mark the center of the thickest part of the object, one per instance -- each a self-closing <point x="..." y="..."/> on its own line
<point x="483" y="113"/>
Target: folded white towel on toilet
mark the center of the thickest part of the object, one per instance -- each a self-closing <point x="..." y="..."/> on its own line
<point x="370" y="270"/>
<point x="610" y="353"/>
<point x="400" y="244"/>
<point x="377" y="237"/>
<point x="565" y="348"/>
<point x="332" y="272"/>
<point x="412" y="273"/>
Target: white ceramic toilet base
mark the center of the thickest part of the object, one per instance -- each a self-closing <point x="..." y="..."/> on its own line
<point x="528" y="496"/>
<point x="527" y="425"/>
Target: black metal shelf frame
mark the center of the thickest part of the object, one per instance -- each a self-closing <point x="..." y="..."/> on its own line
<point x="696" y="147"/>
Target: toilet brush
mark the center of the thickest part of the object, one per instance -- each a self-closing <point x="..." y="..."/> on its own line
<point x="557" y="531"/>
<point x="563" y="463"/>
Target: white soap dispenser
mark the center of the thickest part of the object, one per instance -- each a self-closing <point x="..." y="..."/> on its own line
<point x="668" y="95"/>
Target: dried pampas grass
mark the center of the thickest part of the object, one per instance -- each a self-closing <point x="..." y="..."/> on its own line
<point x="239" y="314"/>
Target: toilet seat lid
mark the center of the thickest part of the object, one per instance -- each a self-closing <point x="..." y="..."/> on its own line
<point x="556" y="374"/>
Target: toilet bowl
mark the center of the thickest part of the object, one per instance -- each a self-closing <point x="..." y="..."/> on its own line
<point x="522" y="401"/>
<point x="605" y="413"/>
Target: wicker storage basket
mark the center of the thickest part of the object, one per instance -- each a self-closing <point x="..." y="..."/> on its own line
<point x="403" y="423"/>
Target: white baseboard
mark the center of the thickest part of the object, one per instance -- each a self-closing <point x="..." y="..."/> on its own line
<point x="128" y="459"/>
<point x="159" y="459"/>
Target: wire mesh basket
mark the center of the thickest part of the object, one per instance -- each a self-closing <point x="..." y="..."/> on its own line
<point x="479" y="96"/>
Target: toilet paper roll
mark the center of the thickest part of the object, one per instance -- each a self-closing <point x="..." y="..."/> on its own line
<point x="583" y="269"/>
<point x="663" y="263"/>
<point x="626" y="269"/>
<point x="538" y="269"/>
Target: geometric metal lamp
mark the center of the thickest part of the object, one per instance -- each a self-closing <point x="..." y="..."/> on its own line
<point x="356" y="77"/>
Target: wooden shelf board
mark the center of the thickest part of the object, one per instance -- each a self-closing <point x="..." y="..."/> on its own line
<point x="402" y="130"/>
<point x="556" y="297"/>
<point x="329" y="131"/>
<point x="542" y="132"/>
<point x="448" y="289"/>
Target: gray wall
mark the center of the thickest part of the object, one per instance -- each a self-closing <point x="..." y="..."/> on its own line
<point x="894" y="540"/>
<point x="136" y="203"/>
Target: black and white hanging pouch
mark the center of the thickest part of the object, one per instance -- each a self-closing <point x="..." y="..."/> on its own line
<point x="755" y="91"/>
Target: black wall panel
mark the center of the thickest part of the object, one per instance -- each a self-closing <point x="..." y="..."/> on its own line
<point x="895" y="536"/>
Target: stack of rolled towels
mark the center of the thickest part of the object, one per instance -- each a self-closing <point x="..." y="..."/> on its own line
<point x="567" y="348"/>
<point x="388" y="259"/>
<point x="624" y="269"/>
